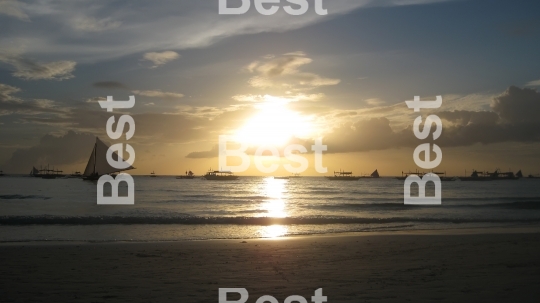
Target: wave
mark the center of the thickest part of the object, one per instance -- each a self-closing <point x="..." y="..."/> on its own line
<point x="23" y="197"/>
<point x="526" y="204"/>
<point x="260" y="221"/>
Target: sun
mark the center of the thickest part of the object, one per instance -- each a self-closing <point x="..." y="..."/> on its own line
<point x="274" y="124"/>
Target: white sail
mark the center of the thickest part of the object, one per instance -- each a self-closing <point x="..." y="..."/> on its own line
<point x="97" y="164"/>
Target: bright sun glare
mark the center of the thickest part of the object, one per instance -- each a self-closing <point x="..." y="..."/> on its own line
<point x="274" y="124"/>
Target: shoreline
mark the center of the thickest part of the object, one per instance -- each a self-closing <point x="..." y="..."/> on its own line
<point x="516" y="229"/>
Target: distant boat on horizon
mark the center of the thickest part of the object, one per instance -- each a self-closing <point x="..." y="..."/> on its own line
<point x="405" y="175"/>
<point x="1" y="173"/>
<point x="494" y="176"/>
<point x="295" y="176"/>
<point x="374" y="175"/>
<point x="220" y="176"/>
<point x="281" y="178"/>
<point x="98" y="165"/>
<point x="153" y="174"/>
<point x="343" y="176"/>
<point x="189" y="175"/>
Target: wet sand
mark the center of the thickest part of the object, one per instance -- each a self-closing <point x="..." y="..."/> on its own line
<point x="389" y="267"/>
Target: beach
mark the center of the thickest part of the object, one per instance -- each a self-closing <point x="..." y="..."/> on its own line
<point x="495" y="265"/>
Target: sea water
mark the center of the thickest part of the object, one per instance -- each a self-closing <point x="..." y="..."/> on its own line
<point x="34" y="209"/>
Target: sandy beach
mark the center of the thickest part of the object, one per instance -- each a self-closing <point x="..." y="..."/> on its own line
<point x="456" y="266"/>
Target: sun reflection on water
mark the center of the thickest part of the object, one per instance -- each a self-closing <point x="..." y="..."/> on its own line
<point x="273" y="231"/>
<point x="275" y="206"/>
<point x="275" y="192"/>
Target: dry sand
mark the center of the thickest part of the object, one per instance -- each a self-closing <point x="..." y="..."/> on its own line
<point x="392" y="267"/>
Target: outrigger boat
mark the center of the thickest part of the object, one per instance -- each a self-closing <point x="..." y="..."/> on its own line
<point x="97" y="164"/>
<point x="50" y="173"/>
<point x="343" y="176"/>
<point x="495" y="176"/>
<point x="217" y="175"/>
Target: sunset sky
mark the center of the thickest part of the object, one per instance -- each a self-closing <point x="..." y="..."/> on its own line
<point x="271" y="80"/>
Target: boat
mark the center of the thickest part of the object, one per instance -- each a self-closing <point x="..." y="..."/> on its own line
<point x="35" y="172"/>
<point x="374" y="174"/>
<point x="281" y="178"/>
<point x="537" y="176"/>
<point x="217" y="175"/>
<point x="343" y="176"/>
<point x="1" y="173"/>
<point x="498" y="175"/>
<point x="188" y="175"/>
<point x="295" y="176"/>
<point x="494" y="176"/>
<point x="477" y="176"/>
<point x="97" y="163"/>
<point x="153" y="175"/>
<point x="47" y="173"/>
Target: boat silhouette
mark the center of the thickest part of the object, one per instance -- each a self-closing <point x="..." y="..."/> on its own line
<point x="98" y="165"/>
<point x="217" y="175"/>
<point x="343" y="176"/>
<point x="188" y="175"/>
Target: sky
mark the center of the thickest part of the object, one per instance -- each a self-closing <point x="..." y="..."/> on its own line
<point x="271" y="80"/>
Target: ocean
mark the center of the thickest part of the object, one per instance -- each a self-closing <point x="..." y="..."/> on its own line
<point x="168" y="209"/>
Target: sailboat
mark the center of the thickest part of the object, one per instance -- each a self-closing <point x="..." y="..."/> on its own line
<point x="35" y="172"/>
<point x="97" y="164"/>
<point x="374" y="174"/>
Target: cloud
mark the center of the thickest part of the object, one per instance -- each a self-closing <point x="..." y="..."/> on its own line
<point x="12" y="8"/>
<point x="158" y="94"/>
<point x="110" y="85"/>
<point x="533" y="83"/>
<point x="161" y="58"/>
<point x="212" y="153"/>
<point x="68" y="149"/>
<point x="29" y="69"/>
<point x="375" y="102"/>
<point x="284" y="72"/>
<point x="6" y="92"/>
<point x="518" y="105"/>
<point x="285" y="98"/>
<point x="10" y="104"/>
<point x="140" y="28"/>
<point x="90" y="24"/>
